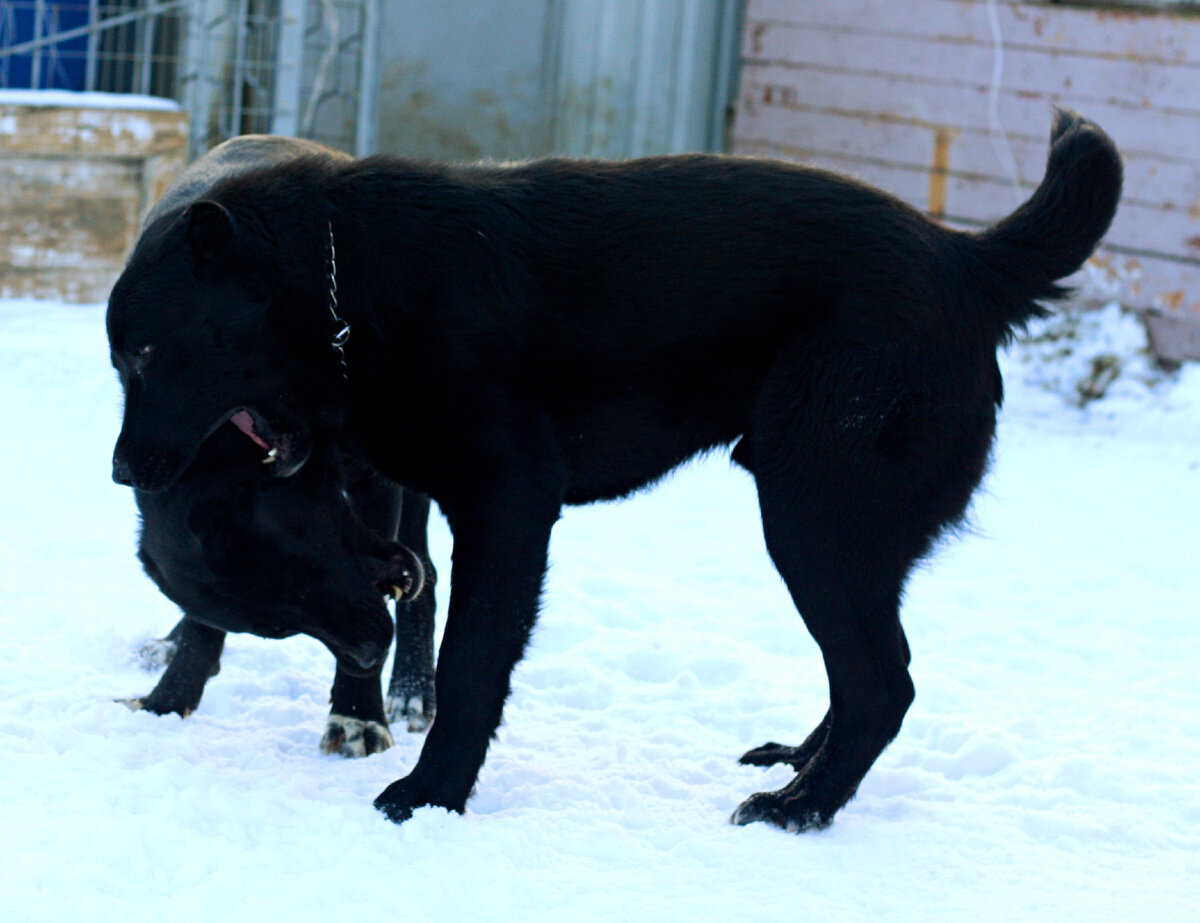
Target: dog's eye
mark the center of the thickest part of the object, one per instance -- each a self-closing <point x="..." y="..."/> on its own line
<point x="140" y="356"/>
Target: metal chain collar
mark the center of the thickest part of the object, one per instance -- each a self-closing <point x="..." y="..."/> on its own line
<point x="341" y="327"/>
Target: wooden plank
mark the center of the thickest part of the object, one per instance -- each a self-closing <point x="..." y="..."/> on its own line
<point x="1173" y="339"/>
<point x="1136" y="129"/>
<point x="964" y="171"/>
<point x="901" y="96"/>
<point x="957" y="63"/>
<point x="63" y="211"/>
<point x="1149" y="179"/>
<point x="1147" y="35"/>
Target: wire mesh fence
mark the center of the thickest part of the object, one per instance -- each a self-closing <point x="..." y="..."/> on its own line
<point x="295" y="67"/>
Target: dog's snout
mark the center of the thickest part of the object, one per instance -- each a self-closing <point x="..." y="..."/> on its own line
<point x="121" y="472"/>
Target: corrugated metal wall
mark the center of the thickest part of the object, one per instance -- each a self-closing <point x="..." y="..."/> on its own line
<point x="511" y="79"/>
<point x="947" y="103"/>
<point x="641" y="76"/>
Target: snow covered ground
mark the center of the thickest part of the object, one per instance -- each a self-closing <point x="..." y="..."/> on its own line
<point x="1049" y="769"/>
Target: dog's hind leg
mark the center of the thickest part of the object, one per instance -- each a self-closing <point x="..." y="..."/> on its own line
<point x="411" y="695"/>
<point x="851" y="607"/>
<point x="196" y="658"/>
<point x="771" y="753"/>
<point x="857" y="470"/>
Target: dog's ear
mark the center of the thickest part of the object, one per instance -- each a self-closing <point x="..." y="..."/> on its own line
<point x="396" y="571"/>
<point x="210" y="232"/>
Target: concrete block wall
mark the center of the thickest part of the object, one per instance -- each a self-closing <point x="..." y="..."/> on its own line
<point x="77" y="172"/>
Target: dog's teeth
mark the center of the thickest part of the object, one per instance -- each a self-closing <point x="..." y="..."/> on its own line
<point x="271" y="456"/>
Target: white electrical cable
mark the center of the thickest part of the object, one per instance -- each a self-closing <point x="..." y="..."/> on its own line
<point x="999" y="137"/>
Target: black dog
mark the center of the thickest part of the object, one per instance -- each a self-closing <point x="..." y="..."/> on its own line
<point x="358" y="722"/>
<point x="239" y="550"/>
<point x="563" y="332"/>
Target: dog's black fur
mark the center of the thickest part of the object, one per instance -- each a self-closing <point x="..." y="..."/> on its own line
<point x="192" y="650"/>
<point x="563" y="332"/>
<point x="240" y="550"/>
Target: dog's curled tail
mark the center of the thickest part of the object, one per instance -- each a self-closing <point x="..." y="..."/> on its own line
<point x="1051" y="235"/>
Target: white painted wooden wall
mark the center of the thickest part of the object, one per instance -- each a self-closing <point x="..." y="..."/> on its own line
<point x="947" y="103"/>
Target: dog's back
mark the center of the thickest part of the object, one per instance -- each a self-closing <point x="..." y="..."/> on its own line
<point x="243" y="154"/>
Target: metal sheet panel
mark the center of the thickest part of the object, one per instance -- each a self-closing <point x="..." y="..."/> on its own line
<point x="638" y="77"/>
<point x="523" y="78"/>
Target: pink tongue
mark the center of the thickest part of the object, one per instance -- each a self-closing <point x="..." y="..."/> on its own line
<point x="243" y="421"/>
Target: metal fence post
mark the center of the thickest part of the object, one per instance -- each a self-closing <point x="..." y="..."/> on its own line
<point x="289" y="59"/>
<point x="367" y="126"/>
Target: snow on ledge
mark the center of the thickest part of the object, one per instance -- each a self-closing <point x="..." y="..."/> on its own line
<point x="65" y="98"/>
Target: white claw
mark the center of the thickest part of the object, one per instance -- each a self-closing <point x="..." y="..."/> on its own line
<point x="271" y="457"/>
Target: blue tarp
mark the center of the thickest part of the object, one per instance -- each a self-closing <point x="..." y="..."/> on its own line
<point x="63" y="65"/>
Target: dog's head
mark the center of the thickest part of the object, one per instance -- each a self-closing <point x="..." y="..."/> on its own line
<point x="241" y="551"/>
<point x="194" y="329"/>
<point x="339" y="600"/>
<point x="334" y="592"/>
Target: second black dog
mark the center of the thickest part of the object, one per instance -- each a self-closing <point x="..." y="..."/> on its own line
<point x="241" y="551"/>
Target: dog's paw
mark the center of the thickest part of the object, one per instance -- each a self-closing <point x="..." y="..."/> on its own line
<point x="404" y="796"/>
<point x="353" y="737"/>
<point x="155" y="655"/>
<point x="416" y="711"/>
<point x="158" y="706"/>
<point x="772" y="753"/>
<point x="789" y="812"/>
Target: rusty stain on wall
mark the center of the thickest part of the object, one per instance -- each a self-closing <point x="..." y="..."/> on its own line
<point x="937" y="173"/>
<point x="1171" y="300"/>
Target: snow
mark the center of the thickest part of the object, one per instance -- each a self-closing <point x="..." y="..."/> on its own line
<point x="71" y="99"/>
<point x="1047" y="771"/>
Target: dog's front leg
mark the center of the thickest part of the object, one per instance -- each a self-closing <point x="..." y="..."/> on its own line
<point x="411" y="696"/>
<point x="500" y="546"/>
<point x="195" y="659"/>
<point x="357" y="724"/>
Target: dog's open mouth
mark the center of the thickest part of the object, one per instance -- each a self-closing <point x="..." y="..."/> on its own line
<point x="286" y="452"/>
<point x="258" y="433"/>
